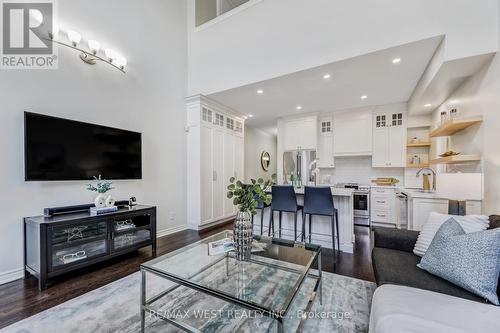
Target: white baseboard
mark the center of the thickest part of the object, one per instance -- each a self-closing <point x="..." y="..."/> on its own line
<point x="15" y="274"/>
<point x="9" y="276"/>
<point x="169" y="231"/>
<point x="211" y="224"/>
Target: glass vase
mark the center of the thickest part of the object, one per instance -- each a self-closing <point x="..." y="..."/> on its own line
<point x="243" y="235"/>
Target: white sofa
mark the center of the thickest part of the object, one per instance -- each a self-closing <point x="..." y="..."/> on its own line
<point x="404" y="309"/>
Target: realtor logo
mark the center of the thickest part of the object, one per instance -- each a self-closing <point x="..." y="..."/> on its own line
<point x="26" y="27"/>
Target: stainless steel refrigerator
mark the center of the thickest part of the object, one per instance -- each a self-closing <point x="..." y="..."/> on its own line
<point x="301" y="164"/>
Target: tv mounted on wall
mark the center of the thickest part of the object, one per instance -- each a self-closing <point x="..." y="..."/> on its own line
<point x="62" y="149"/>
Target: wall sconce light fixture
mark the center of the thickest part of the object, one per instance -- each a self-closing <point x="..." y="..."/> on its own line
<point x="93" y="54"/>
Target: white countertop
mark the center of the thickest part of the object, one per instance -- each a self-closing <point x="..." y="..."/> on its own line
<point x="336" y="192"/>
<point x="385" y="186"/>
<point x="416" y="193"/>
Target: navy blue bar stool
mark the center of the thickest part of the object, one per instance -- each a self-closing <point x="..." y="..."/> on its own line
<point x="319" y="201"/>
<point x="284" y="200"/>
<point x="262" y="207"/>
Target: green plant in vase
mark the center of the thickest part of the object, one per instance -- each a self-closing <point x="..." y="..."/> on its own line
<point x="101" y="186"/>
<point x="247" y="197"/>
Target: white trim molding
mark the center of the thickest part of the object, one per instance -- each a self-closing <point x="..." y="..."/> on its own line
<point x="169" y="231"/>
<point x="10" y="276"/>
<point x="197" y="226"/>
<point x="226" y="15"/>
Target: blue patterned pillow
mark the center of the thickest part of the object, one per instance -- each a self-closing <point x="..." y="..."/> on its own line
<point x="471" y="261"/>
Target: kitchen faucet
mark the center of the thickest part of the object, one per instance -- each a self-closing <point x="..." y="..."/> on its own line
<point x="426" y="180"/>
<point x="314" y="172"/>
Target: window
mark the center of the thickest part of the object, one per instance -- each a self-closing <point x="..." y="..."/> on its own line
<point x="397" y="119"/>
<point x="230" y="123"/>
<point x="207" y="10"/>
<point x="380" y="121"/>
<point x="219" y="120"/>
<point x="239" y="127"/>
<point x="326" y="127"/>
<point x="206" y="115"/>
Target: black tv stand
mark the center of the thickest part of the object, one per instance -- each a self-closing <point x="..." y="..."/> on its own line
<point x="59" y="244"/>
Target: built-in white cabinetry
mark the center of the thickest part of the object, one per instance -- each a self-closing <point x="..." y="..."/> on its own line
<point x="389" y="139"/>
<point x="300" y="133"/>
<point x="325" y="143"/>
<point x="215" y="149"/>
<point x="383" y="208"/>
<point x="421" y="208"/>
<point x="352" y="133"/>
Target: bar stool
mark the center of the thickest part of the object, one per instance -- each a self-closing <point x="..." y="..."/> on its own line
<point x="319" y="201"/>
<point x="284" y="200"/>
<point x="262" y="207"/>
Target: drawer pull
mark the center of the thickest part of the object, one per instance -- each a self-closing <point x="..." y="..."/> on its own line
<point x="380" y="215"/>
<point x="381" y="201"/>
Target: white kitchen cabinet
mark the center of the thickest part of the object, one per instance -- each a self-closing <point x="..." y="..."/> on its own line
<point x="206" y="179"/>
<point x="325" y="144"/>
<point x="218" y="173"/>
<point x="352" y="133"/>
<point x="421" y="208"/>
<point x="383" y="206"/>
<point x="215" y="144"/>
<point x="300" y="133"/>
<point x="229" y="169"/>
<point x="239" y="161"/>
<point x="389" y="139"/>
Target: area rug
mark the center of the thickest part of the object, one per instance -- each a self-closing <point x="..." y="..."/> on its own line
<point x="115" y="308"/>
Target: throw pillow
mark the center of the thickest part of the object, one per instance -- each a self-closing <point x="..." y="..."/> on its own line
<point x="470" y="223"/>
<point x="471" y="261"/>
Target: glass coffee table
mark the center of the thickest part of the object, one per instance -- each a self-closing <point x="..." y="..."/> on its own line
<point x="267" y="284"/>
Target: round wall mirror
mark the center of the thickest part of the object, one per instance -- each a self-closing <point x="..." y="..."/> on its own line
<point x="265" y="160"/>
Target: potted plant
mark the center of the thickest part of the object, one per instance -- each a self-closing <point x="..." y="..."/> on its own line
<point x="101" y="187"/>
<point x="247" y="197"/>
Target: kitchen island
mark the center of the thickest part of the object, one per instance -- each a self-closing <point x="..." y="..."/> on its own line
<point x="322" y="230"/>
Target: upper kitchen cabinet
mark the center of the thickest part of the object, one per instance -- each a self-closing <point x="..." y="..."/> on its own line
<point x="352" y="133"/>
<point x="325" y="143"/>
<point x="389" y="138"/>
<point x="300" y="133"/>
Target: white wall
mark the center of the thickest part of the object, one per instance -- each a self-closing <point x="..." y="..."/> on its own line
<point x="479" y="96"/>
<point x="148" y="99"/>
<point x="257" y="141"/>
<point x="277" y="37"/>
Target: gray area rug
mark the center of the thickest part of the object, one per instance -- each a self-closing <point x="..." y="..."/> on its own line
<point x="115" y="308"/>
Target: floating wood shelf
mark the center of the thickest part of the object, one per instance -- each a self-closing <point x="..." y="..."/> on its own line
<point x="420" y="144"/>
<point x="454" y="126"/>
<point x="417" y="166"/>
<point x="457" y="159"/>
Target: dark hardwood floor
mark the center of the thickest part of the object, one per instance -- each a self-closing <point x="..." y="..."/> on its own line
<point x="21" y="298"/>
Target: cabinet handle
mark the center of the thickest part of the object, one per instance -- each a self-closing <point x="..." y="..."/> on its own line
<point x="214" y="176"/>
<point x="380" y="215"/>
<point x="381" y="201"/>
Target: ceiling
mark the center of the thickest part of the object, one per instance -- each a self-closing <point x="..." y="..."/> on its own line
<point x="373" y="75"/>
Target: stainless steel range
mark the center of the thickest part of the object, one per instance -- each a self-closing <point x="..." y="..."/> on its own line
<point x="361" y="202"/>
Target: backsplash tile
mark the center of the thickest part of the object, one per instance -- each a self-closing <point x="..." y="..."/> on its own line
<point x="357" y="169"/>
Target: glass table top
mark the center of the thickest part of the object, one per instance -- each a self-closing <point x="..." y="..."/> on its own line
<point x="269" y="281"/>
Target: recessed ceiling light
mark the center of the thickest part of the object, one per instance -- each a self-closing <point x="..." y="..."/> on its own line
<point x="326" y="76"/>
<point x="250" y="116"/>
<point x="260" y="91"/>
<point x="364" y="97"/>
<point x="299" y="107"/>
<point x="396" y="60"/>
<point x="428" y="105"/>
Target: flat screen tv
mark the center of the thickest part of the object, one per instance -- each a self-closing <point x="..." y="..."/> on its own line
<point x="62" y="149"/>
